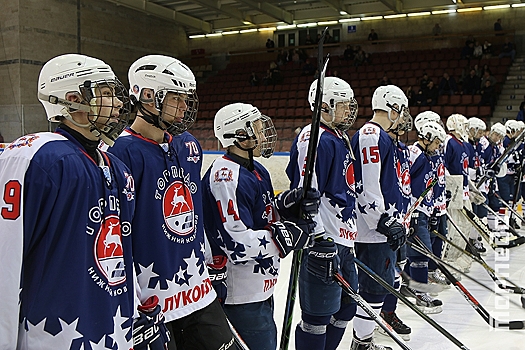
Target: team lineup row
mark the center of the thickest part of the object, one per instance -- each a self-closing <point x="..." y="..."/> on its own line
<point x="120" y="244"/>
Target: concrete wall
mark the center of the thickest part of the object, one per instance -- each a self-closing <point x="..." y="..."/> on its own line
<point x="33" y="31"/>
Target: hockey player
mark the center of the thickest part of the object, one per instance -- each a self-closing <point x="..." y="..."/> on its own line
<point x="456" y="161"/>
<point x="430" y="136"/>
<point x="252" y="229"/>
<point x="66" y="273"/>
<point x="168" y="234"/>
<point x="325" y="311"/>
<point x="381" y="185"/>
<point x="476" y="129"/>
<point x="507" y="183"/>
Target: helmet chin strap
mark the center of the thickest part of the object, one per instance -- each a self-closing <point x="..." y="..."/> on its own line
<point x="250" y="153"/>
<point x="151" y="118"/>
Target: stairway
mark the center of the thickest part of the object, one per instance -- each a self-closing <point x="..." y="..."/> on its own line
<point x="512" y="93"/>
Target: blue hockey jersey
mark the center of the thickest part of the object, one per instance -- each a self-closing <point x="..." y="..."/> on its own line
<point x="65" y="246"/>
<point x="403" y="153"/>
<point x="168" y="231"/>
<point x="382" y="180"/>
<point x="439" y="193"/>
<point x="422" y="173"/>
<point x="240" y="205"/>
<point x="334" y="178"/>
<point x="457" y="160"/>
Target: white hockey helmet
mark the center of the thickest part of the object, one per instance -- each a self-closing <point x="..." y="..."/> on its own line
<point x="83" y="75"/>
<point x="335" y="90"/>
<point x="475" y="128"/>
<point x="391" y="98"/>
<point x="431" y="131"/>
<point x="521" y="124"/>
<point x="512" y="127"/>
<point x="236" y="122"/>
<point x="162" y="75"/>
<point x="497" y="133"/>
<point x="425" y="117"/>
<point x="458" y="123"/>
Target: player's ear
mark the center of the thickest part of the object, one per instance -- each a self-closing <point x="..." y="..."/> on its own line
<point x="73" y="97"/>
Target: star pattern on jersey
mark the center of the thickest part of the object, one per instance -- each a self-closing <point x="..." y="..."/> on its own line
<point x="46" y="340"/>
<point x="372" y="205"/>
<point x="264" y="265"/>
<point x="237" y="251"/>
<point x="146" y="277"/>
<point x="359" y="186"/>
<point x="263" y="242"/>
<point x="101" y="345"/>
<point x="392" y="210"/>
<point x="362" y="208"/>
<point x="120" y="331"/>
<point x="195" y="265"/>
<point x="182" y="277"/>
<point x="203" y="249"/>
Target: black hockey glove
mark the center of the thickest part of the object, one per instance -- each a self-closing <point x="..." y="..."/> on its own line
<point x="491" y="173"/>
<point x="433" y="222"/>
<point x="149" y="330"/>
<point x="393" y="230"/>
<point x="290" y="235"/>
<point x="448" y="197"/>
<point x="323" y="260"/>
<point x="290" y="202"/>
<point x="218" y="274"/>
<point x="414" y="224"/>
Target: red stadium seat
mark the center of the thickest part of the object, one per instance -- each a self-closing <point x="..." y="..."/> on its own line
<point x="472" y="111"/>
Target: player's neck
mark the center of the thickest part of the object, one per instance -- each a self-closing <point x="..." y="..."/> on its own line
<point x="148" y="130"/>
<point x="381" y="120"/>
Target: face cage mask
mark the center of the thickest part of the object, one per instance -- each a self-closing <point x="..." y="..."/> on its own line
<point x="268" y="133"/>
<point x="492" y="135"/>
<point x="178" y="125"/>
<point x="405" y="123"/>
<point x="349" y="120"/>
<point x="108" y="130"/>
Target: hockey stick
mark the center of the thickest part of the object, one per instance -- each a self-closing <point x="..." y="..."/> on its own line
<point x="508" y="206"/>
<point x="414" y="308"/>
<point x="448" y="265"/>
<point x="307" y="183"/>
<point x="499" y="162"/>
<point x="241" y="345"/>
<point x="419" y="199"/>
<point x="486" y="234"/>
<point x="420" y="287"/>
<point x="369" y="310"/>
<point x="517" y="189"/>
<point x="476" y="257"/>
<point x="472" y="301"/>
<point x="509" y="228"/>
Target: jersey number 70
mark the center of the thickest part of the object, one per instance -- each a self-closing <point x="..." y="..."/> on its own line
<point x="13" y="198"/>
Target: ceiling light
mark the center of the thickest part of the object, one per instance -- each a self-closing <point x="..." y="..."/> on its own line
<point x="213" y="34"/>
<point x="343" y="13"/>
<point x="401" y="15"/>
<point x="291" y="26"/>
<point x="518" y="5"/>
<point x="197" y="36"/>
<point x="247" y="23"/>
<point x="470" y="9"/>
<point x="371" y="18"/>
<point x="416" y="14"/>
<point x="267" y="29"/>
<point x="349" y="20"/>
<point x="440" y="12"/>
<point x="304" y="25"/>
<point x="495" y="7"/>
<point x="327" y="23"/>
<point x="248" y="30"/>
<point x="230" y="32"/>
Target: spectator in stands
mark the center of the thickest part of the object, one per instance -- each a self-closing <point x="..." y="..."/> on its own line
<point x="328" y="39"/>
<point x="468" y="51"/>
<point x="423" y="83"/>
<point x="295" y="57"/>
<point x="372" y="36"/>
<point x="308" y="40"/>
<point x="498" y="27"/>
<point x="470" y="39"/>
<point x="471" y="83"/>
<point x="349" y="53"/>
<point x="478" y="50"/>
<point x="508" y="49"/>
<point x="488" y="76"/>
<point x="520" y="116"/>
<point x="411" y="96"/>
<point x="447" y="85"/>
<point x="270" y="44"/>
<point x="308" y="68"/>
<point x="436" y="31"/>
<point x="303" y="56"/>
<point x="359" y="58"/>
<point x="275" y="74"/>
<point x="479" y="72"/>
<point x="488" y="95"/>
<point x="487" y="49"/>
<point x="430" y="94"/>
<point x="267" y="79"/>
<point x="384" y="81"/>
<point x="254" y="79"/>
<point x="281" y="57"/>
<point x="318" y="38"/>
